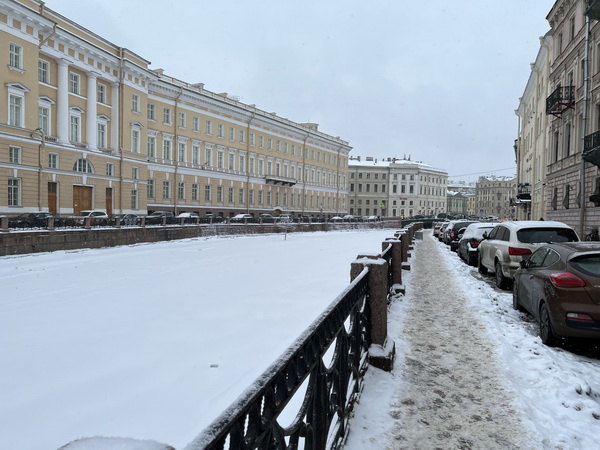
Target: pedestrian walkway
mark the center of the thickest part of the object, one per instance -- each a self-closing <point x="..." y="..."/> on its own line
<point x="448" y="390"/>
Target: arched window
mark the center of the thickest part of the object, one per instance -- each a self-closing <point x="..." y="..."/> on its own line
<point x="83" y="165"/>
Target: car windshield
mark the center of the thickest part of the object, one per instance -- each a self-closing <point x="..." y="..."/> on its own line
<point x="588" y="264"/>
<point x="537" y="235"/>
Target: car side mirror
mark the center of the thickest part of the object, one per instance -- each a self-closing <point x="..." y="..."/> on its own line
<point x="485" y="235"/>
<point x="524" y="263"/>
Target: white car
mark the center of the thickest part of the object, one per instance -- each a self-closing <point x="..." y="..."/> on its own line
<point x="471" y="238"/>
<point x="508" y="243"/>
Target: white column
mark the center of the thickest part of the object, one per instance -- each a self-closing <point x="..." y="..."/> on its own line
<point x="91" y="130"/>
<point x="62" y="102"/>
<point x="114" y="120"/>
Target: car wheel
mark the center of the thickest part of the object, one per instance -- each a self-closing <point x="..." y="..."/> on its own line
<point x="546" y="332"/>
<point x="480" y="267"/>
<point x="501" y="280"/>
<point x="516" y="303"/>
<point x="472" y="258"/>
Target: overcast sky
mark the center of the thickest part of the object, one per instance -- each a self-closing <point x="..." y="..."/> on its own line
<point x="436" y="80"/>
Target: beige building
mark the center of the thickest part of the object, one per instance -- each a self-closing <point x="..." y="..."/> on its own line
<point x="88" y="125"/>
<point x="494" y="196"/>
<point x="392" y="187"/>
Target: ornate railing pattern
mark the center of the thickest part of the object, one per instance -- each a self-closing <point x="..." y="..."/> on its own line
<point x="331" y="389"/>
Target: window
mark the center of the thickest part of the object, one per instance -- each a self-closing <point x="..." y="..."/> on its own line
<point x="135" y="173"/>
<point x="167" y="116"/>
<point x="14" y="192"/>
<point x="196" y="124"/>
<point x="135" y="103"/>
<point x="269" y="144"/>
<point x="181" y="119"/>
<point x="53" y="160"/>
<point x="16" y="56"/>
<point x="195" y="154"/>
<point x="151" y="109"/>
<point x="15" y="113"/>
<point x="252" y="139"/>
<point x="75" y="128"/>
<point x="110" y="169"/>
<point x="83" y="165"/>
<point x="101" y="93"/>
<point x="195" y="191"/>
<point x="278" y="146"/>
<point x="166" y="149"/>
<point x="181" y="190"/>
<point x="181" y="151"/>
<point x="231" y="162"/>
<point x="242" y="136"/>
<point x="135" y="140"/>
<point x="208" y="156"/>
<point x="150" y="188"/>
<point x="207" y="193"/>
<point x="220" y="194"/>
<point x="261" y="141"/>
<point x="43" y="71"/>
<point x="220" y="159"/>
<point x="231" y="195"/>
<point x="44" y="119"/>
<point x="14" y="155"/>
<point x="151" y="146"/>
<point x="231" y="134"/>
<point x="241" y="196"/>
<point x="208" y="127"/>
<point x="134" y="199"/>
<point x="220" y="131"/>
<point x="101" y="135"/>
<point x="166" y="191"/>
<point x="74" y="83"/>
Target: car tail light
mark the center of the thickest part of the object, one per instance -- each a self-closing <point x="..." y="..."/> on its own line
<point x="474" y="243"/>
<point x="566" y="280"/>
<point x="516" y="251"/>
<point x="578" y="317"/>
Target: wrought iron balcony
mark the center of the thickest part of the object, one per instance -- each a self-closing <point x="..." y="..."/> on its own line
<point x="593" y="9"/>
<point x="524" y="191"/>
<point x="591" y="148"/>
<point x="560" y="100"/>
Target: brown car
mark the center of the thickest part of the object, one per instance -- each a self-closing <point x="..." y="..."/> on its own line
<point x="559" y="285"/>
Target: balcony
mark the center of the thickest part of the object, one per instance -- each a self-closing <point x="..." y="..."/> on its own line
<point x="560" y="100"/>
<point x="591" y="148"/>
<point x="277" y="180"/>
<point x="593" y="9"/>
<point x="524" y="192"/>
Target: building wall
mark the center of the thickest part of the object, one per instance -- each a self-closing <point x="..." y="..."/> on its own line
<point x="121" y="137"/>
<point x="494" y="197"/>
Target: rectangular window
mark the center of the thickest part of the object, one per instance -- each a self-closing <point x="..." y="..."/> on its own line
<point x="252" y="139"/>
<point x="261" y="141"/>
<point x="15" y="113"/>
<point x="110" y="169"/>
<point x="181" y="190"/>
<point x="207" y="193"/>
<point x="220" y="131"/>
<point x="231" y="134"/>
<point x="243" y="136"/>
<point x="135" y="103"/>
<point x="195" y="191"/>
<point x="16" y="56"/>
<point x="53" y="160"/>
<point x="167" y="150"/>
<point x="220" y="160"/>
<point x="135" y="173"/>
<point x="166" y="190"/>
<point x="150" y="188"/>
<point x="44" y="119"/>
<point x="134" y="199"/>
<point x="135" y="140"/>
<point x="151" y="146"/>
<point x="269" y="144"/>
<point x="241" y="196"/>
<point x="181" y="151"/>
<point x="74" y="83"/>
<point x="231" y="195"/>
<point x="196" y="124"/>
<point x="231" y="162"/>
<point x="208" y="127"/>
<point x="181" y="119"/>
<point x="14" y="155"/>
<point x="195" y="155"/>
<point x="220" y="194"/>
<point x="74" y="128"/>
<point x="208" y="156"/>
<point x="101" y="93"/>
<point x="43" y="71"/>
<point x="14" y="192"/>
<point x="260" y="197"/>
<point x="101" y="135"/>
<point x="151" y="109"/>
<point x="167" y="116"/>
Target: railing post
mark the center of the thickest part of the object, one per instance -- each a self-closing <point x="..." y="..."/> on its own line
<point x="396" y="258"/>
<point x="143" y="222"/>
<point x="382" y="349"/>
<point x="50" y="223"/>
<point x="87" y="223"/>
<point x="4" y="223"/>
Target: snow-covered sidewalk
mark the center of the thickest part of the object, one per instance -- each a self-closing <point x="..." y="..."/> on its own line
<point x="460" y="383"/>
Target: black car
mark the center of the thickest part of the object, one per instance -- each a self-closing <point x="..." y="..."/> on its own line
<point x="33" y="220"/>
<point x="156" y="218"/>
<point x="454" y="234"/>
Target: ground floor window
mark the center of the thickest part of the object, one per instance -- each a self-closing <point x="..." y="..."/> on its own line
<point x="14" y="192"/>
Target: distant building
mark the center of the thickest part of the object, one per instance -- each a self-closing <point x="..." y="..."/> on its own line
<point x="494" y="196"/>
<point x="395" y="187"/>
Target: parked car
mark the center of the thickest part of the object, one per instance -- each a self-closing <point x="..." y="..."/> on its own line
<point x="284" y="218"/>
<point x="242" y="218"/>
<point x="188" y="217"/>
<point x="126" y="219"/>
<point x="443" y="227"/>
<point x="349" y="218"/>
<point x="470" y="240"/>
<point x="508" y="242"/>
<point x="336" y="219"/>
<point x="156" y="218"/>
<point x="97" y="217"/>
<point x="33" y="220"/>
<point x="454" y="232"/>
<point x="559" y="285"/>
<point x="266" y="218"/>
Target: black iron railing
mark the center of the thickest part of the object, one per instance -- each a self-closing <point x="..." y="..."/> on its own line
<point x="330" y="392"/>
<point x="561" y="99"/>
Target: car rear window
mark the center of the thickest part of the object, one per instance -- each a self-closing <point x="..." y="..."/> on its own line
<point x="538" y="235"/>
<point x="589" y="264"/>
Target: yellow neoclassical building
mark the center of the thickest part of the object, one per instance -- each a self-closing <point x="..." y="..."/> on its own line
<point x="88" y="125"/>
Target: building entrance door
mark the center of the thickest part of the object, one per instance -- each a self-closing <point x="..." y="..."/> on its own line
<point x="82" y="198"/>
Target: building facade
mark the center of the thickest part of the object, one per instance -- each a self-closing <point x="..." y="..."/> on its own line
<point x="494" y="196"/>
<point x="396" y="188"/>
<point x="88" y="125"/>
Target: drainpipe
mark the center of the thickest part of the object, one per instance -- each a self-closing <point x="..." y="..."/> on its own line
<point x="304" y="173"/>
<point x="42" y="144"/>
<point x="586" y="82"/>
<point x="176" y="151"/>
<point x="247" y="168"/>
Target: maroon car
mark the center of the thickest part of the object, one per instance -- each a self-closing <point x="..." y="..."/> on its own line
<point x="559" y="285"/>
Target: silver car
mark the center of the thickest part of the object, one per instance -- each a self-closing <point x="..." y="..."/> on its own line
<point x="508" y="243"/>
